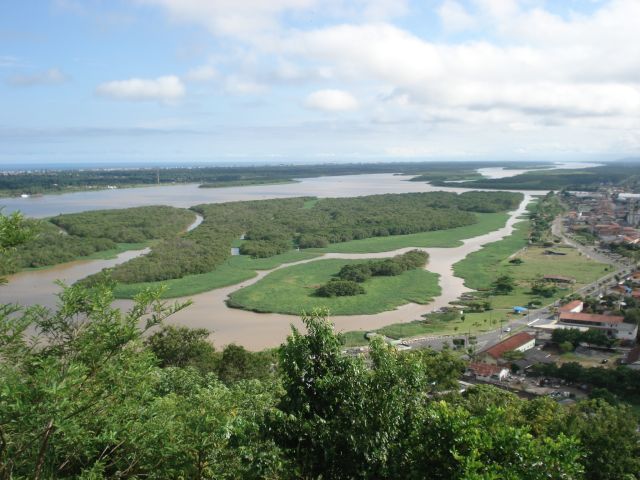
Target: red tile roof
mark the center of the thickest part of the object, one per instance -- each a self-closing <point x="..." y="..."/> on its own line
<point x="484" y="369"/>
<point x="591" y="317"/>
<point x="509" y="344"/>
<point x="570" y="306"/>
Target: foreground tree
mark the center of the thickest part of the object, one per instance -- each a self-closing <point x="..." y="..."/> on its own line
<point x="342" y="418"/>
<point x="13" y="232"/>
<point x="82" y="397"/>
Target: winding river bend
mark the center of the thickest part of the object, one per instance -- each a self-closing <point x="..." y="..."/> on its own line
<point x="257" y="331"/>
<point x="253" y="330"/>
<point x="209" y="310"/>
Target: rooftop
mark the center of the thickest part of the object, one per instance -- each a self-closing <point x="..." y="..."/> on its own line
<point x="590" y="317"/>
<point x="484" y="369"/>
<point x="509" y="344"/>
<point x="570" y="306"/>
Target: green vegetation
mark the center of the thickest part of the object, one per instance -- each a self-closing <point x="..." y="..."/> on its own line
<point x="541" y="215"/>
<point x="292" y="290"/>
<point x="339" y="288"/>
<point x="235" y="270"/>
<point x="14" y="231"/>
<point x="621" y="174"/>
<point x="245" y="182"/>
<point x="97" y="234"/>
<point x="451" y="237"/>
<point x="481" y="268"/>
<point x="446" y="175"/>
<point x="621" y="381"/>
<point x="346" y="282"/>
<point x="272" y="227"/>
<point x="574" y="337"/>
<point x="99" y="399"/>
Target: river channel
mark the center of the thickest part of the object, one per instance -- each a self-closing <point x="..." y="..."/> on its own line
<point x="209" y="310"/>
<point x="257" y="331"/>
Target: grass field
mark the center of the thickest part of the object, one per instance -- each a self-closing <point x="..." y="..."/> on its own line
<point x="235" y="270"/>
<point x="291" y="290"/>
<point x="480" y="268"/>
<point x="487" y="222"/>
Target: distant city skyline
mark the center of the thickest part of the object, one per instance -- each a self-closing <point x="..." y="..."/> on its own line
<point x="183" y="82"/>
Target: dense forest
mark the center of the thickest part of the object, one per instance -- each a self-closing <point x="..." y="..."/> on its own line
<point x="271" y="227"/>
<point x="620" y="174"/>
<point x="12" y="183"/>
<point x="67" y="237"/>
<point x="100" y="399"/>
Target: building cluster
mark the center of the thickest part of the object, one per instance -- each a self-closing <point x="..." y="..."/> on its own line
<point x="611" y="216"/>
<point x="494" y="363"/>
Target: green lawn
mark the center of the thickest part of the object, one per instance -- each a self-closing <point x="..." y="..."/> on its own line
<point x="480" y="268"/>
<point x="449" y="323"/>
<point x="235" y="270"/>
<point x="291" y="290"/>
<point x="487" y="222"/>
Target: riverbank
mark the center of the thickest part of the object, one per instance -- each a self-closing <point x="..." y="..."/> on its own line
<point x="257" y="331"/>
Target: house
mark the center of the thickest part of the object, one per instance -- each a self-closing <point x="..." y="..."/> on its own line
<point x="533" y="357"/>
<point x="558" y="279"/>
<point x="520" y="342"/>
<point x="486" y="372"/>
<point x="575" y="306"/>
<point x="613" y="325"/>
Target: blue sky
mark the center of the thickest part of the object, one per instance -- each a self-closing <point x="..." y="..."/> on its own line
<point x="184" y="81"/>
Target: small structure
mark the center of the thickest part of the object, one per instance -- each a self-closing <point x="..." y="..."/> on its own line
<point x="558" y="279"/>
<point x="486" y="372"/>
<point x="520" y="342"/>
<point x="520" y="310"/>
<point x="575" y="306"/>
<point x="613" y="325"/>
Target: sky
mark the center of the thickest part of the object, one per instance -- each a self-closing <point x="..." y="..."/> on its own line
<point x="232" y="81"/>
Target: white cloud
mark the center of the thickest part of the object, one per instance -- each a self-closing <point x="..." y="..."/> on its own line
<point x="204" y="73"/>
<point x="239" y="85"/>
<point x="49" y="77"/>
<point x="331" y="101"/>
<point x="231" y="17"/>
<point x="165" y="89"/>
<point x="454" y="16"/>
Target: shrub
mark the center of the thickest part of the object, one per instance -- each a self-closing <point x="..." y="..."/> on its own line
<point x="359" y="272"/>
<point x="340" y="288"/>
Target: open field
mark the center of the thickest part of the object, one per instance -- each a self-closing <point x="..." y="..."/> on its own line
<point x="235" y="270"/>
<point x="452" y="237"/>
<point x="291" y="290"/>
<point x="479" y="270"/>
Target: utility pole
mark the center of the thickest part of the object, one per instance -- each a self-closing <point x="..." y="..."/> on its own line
<point x="158" y="175"/>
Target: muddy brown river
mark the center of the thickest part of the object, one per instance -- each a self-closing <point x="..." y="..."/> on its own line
<point x="253" y="330"/>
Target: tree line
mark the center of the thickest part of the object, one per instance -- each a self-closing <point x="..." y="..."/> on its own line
<point x="347" y="281"/>
<point x="66" y="237"/>
<point x="271" y="227"/>
<point x="61" y="180"/>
